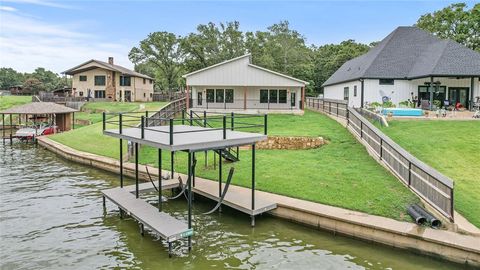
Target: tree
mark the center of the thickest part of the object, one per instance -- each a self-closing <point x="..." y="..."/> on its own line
<point x="162" y="51"/>
<point x="212" y="44"/>
<point x="34" y="85"/>
<point x="283" y="50"/>
<point x="455" y="22"/>
<point x="329" y="58"/>
<point x="10" y="77"/>
<point x="50" y="80"/>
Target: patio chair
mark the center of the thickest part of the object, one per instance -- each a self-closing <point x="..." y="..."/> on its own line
<point x="425" y="104"/>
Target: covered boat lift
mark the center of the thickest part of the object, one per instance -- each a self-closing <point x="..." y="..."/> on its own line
<point x="190" y="135"/>
<point x="61" y="117"/>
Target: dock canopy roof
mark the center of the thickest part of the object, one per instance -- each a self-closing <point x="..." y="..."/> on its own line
<point x="410" y="53"/>
<point x="39" y="108"/>
<point x="240" y="72"/>
<point x="93" y="64"/>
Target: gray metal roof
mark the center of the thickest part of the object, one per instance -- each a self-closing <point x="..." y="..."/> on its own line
<point x="409" y="52"/>
<point x="39" y="108"/>
<point x="108" y="66"/>
<point x="189" y="138"/>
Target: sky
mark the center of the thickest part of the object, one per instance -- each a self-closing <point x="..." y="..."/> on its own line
<point x="59" y="35"/>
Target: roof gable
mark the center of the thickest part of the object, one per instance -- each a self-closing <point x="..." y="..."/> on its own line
<point x="240" y="72"/>
<point x="409" y="52"/>
<point x="100" y="64"/>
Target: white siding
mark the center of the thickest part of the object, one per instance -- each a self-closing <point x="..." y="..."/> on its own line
<point x="337" y="91"/>
<point x="401" y="90"/>
<point x="239" y="73"/>
<point x="252" y="97"/>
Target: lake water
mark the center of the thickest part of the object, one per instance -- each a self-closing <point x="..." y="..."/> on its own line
<point x="51" y="217"/>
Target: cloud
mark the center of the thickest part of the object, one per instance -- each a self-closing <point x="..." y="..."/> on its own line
<point x="27" y="43"/>
<point x="41" y="3"/>
<point x="10" y="9"/>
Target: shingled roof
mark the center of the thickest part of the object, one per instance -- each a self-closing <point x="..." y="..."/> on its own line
<point x="39" y="108"/>
<point x="105" y="65"/>
<point x="407" y="53"/>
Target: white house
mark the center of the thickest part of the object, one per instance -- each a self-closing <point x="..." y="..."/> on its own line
<point x="101" y="80"/>
<point x="409" y="64"/>
<point x="237" y="84"/>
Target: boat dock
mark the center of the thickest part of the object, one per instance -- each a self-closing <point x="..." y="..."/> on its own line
<point x="193" y="138"/>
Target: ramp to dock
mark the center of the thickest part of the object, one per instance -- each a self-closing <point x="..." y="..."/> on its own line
<point x="166" y="226"/>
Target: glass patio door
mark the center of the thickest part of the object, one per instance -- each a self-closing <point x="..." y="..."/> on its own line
<point x="458" y="95"/>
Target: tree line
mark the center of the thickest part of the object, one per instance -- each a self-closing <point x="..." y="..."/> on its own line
<point x="166" y="56"/>
<point x="39" y="80"/>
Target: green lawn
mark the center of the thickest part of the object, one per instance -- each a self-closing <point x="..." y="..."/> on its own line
<point x="340" y="173"/>
<point x="451" y="147"/>
<point x="90" y="138"/>
<point x="92" y="111"/>
<point x="11" y="101"/>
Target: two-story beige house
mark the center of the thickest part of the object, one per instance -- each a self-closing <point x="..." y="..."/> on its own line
<point x="101" y="80"/>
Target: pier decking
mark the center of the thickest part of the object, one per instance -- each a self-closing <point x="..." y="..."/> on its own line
<point x="236" y="198"/>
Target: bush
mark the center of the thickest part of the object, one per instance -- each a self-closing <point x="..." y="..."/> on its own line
<point x="388" y="104"/>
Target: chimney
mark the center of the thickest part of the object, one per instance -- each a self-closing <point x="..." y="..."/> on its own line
<point x="110" y="60"/>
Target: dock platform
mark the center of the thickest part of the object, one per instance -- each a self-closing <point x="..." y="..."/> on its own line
<point x="161" y="223"/>
<point x="237" y="198"/>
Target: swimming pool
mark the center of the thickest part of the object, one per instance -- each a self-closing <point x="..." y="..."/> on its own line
<point x="403" y="111"/>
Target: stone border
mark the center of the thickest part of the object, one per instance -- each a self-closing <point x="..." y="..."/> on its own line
<point x="448" y="245"/>
<point x="290" y="143"/>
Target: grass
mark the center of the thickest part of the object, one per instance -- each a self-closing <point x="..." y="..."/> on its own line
<point x="90" y="138"/>
<point x="92" y="111"/>
<point x="451" y="147"/>
<point x="339" y="174"/>
<point x="11" y="101"/>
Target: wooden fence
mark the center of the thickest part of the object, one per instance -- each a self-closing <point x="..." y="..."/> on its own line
<point x="432" y="186"/>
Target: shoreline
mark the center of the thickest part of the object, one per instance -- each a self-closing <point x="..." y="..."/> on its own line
<point x="460" y="248"/>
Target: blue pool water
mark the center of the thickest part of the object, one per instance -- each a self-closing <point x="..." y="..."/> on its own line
<point x="403" y="111"/>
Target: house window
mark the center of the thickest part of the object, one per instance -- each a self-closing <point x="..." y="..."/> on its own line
<point x="82" y="78"/>
<point x="273" y="96"/>
<point x="99" y="94"/>
<point x="228" y="95"/>
<point x="263" y="96"/>
<point x="100" y="80"/>
<point x="219" y="96"/>
<point x="125" y="80"/>
<point x="144" y="95"/>
<point x="150" y="81"/>
<point x="210" y="95"/>
<point x="345" y="93"/>
<point x="80" y="93"/>
<point x="282" y="96"/>
<point x="386" y="81"/>
<point x="144" y="81"/>
<point x="354" y="90"/>
<point x="151" y="94"/>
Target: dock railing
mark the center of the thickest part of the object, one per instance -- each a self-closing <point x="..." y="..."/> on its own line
<point x="145" y="122"/>
<point x="429" y="184"/>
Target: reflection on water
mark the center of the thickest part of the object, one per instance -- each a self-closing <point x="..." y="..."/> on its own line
<point x="51" y="217"/>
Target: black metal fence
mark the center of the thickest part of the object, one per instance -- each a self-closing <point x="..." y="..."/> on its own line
<point x="432" y="186"/>
<point x="147" y="121"/>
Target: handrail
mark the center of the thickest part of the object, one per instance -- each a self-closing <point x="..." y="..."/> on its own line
<point x="431" y="185"/>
